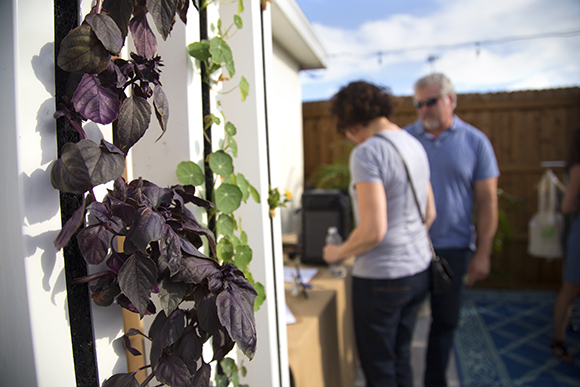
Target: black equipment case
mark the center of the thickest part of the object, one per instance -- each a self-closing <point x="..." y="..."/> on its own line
<point x="322" y="209"/>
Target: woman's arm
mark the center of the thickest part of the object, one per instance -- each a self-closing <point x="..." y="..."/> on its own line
<point x="372" y="209"/>
<point x="570" y="200"/>
<point x="431" y="212"/>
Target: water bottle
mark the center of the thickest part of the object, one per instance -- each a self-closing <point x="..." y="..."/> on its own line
<point x="337" y="270"/>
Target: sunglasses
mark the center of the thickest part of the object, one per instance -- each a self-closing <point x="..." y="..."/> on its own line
<point x="427" y="102"/>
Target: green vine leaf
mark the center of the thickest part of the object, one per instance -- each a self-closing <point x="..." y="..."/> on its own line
<point x="255" y="194"/>
<point x="221" y="163"/>
<point x="225" y="250"/>
<point x="240" y="6"/>
<point x="163" y="13"/>
<point x="228" y="198"/>
<point x="82" y="52"/>
<point x="244" y="238"/>
<point x="209" y="120"/>
<point x="222" y="53"/>
<point x="189" y="173"/>
<point x="244" y="88"/>
<point x="243" y="256"/>
<point x="230" y="128"/>
<point x="199" y="50"/>
<point x="233" y="145"/>
<point x="238" y="21"/>
<point x="244" y="187"/>
<point x="225" y="225"/>
<point x="261" y="295"/>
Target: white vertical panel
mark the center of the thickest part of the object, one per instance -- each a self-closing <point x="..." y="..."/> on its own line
<point x="270" y="365"/>
<point x="34" y="330"/>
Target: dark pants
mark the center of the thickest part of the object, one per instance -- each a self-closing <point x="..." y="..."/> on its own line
<point x="445" y="310"/>
<point x="385" y="312"/>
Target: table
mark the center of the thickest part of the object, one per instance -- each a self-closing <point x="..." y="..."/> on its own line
<point x="321" y="344"/>
<point x="312" y="344"/>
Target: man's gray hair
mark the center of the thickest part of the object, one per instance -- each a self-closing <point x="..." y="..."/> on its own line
<point x="444" y="83"/>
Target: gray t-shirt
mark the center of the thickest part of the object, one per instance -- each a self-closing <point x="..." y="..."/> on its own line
<point x="404" y="251"/>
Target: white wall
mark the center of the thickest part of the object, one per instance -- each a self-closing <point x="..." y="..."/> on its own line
<point x="286" y="147"/>
<point x="35" y="338"/>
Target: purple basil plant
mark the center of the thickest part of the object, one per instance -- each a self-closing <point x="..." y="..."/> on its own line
<point x="148" y="239"/>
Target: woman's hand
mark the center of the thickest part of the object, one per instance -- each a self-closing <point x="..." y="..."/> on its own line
<point x="331" y="254"/>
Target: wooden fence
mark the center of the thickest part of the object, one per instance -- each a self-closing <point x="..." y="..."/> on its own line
<point x="527" y="129"/>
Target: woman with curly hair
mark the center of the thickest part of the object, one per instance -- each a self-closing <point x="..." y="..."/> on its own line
<point x="390" y="273"/>
<point x="571" y="287"/>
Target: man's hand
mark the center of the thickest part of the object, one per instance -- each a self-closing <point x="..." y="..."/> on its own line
<point x="478" y="269"/>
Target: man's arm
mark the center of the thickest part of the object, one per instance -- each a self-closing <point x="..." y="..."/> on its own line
<point x="485" y="192"/>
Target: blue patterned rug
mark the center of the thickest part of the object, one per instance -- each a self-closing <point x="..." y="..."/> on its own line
<point x="504" y="340"/>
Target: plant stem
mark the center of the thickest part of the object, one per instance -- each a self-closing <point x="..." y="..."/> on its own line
<point x="89" y="278"/>
<point x="99" y="5"/>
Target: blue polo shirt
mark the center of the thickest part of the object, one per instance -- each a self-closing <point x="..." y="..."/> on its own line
<point x="460" y="156"/>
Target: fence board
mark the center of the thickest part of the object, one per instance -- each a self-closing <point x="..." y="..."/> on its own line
<point x="525" y="128"/>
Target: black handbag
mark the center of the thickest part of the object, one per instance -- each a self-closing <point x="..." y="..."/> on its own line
<point x="441" y="273"/>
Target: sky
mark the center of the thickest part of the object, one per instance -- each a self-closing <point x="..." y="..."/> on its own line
<point x="482" y="45"/>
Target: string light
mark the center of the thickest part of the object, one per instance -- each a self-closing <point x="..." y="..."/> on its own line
<point x="478" y="44"/>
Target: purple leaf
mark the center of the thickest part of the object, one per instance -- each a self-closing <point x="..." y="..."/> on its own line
<point x="143" y="38"/>
<point x="69" y="173"/>
<point x="95" y="102"/>
<point x="182" y="7"/>
<point x="120" y="11"/>
<point x="163" y="13"/>
<point x="133" y="121"/>
<point x="105" y="297"/>
<point x="172" y="371"/>
<point x="155" y="194"/>
<point x="136" y="279"/>
<point x="189" y="348"/>
<point x="70" y="227"/>
<point x="82" y="52"/>
<point x="104" y="162"/>
<point x="165" y="331"/>
<point x="170" y="249"/>
<point x="208" y="319"/>
<point x="236" y="313"/>
<point x="122" y="210"/>
<point x="161" y="104"/>
<point x="124" y="302"/>
<point x="85" y="165"/>
<point x="222" y="344"/>
<point x="201" y="377"/>
<point x="147" y="227"/>
<point x="195" y="270"/>
<point x="171" y="294"/>
<point x="121" y="380"/>
<point x="116" y="261"/>
<point x="107" y="31"/>
<point x="94" y="243"/>
<point x="127" y="345"/>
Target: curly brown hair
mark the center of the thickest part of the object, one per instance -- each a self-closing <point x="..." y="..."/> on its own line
<point x="360" y="102"/>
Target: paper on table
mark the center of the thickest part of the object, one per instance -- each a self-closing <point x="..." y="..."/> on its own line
<point x="306" y="273"/>
<point x="290" y="319"/>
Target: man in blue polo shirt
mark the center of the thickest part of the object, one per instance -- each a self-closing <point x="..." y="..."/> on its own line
<point x="464" y="176"/>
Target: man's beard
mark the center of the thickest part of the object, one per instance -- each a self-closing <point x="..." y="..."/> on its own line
<point x="431" y="124"/>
